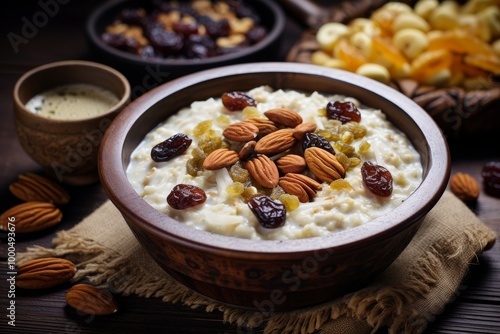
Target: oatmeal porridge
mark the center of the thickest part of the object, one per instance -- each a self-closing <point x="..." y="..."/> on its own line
<point x="319" y="170"/>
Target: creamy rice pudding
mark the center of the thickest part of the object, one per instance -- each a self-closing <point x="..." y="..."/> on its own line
<point x="334" y="206"/>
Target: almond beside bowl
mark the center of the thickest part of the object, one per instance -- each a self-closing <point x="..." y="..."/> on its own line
<point x="287" y="273"/>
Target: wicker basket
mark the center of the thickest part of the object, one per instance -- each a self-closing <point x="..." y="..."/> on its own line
<point x="458" y="112"/>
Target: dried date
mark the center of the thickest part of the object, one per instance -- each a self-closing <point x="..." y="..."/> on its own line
<point x="491" y="178"/>
<point x="377" y="179"/>
<point x="270" y="213"/>
<point x="184" y="196"/>
<point x="171" y="147"/>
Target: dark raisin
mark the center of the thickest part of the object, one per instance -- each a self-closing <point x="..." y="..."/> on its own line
<point x="343" y="111"/>
<point x="185" y="29"/>
<point x="491" y="178"/>
<point x="147" y="52"/>
<point x="121" y="42"/>
<point x="256" y="34"/>
<point x="377" y="179"/>
<point x="270" y="213"/>
<point x="315" y="140"/>
<point x="200" y="46"/>
<point x="132" y="16"/>
<point x="168" y="42"/>
<point x="236" y="100"/>
<point x="215" y="28"/>
<point x="185" y="196"/>
<point x="171" y="147"/>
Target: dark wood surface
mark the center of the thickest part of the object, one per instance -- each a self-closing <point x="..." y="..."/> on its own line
<point x="476" y="308"/>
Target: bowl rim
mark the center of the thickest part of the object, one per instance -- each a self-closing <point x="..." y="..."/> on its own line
<point x="271" y="37"/>
<point x="133" y="207"/>
<point x="122" y="100"/>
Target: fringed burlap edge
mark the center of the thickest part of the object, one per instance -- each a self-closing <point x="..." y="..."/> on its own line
<point x="380" y="305"/>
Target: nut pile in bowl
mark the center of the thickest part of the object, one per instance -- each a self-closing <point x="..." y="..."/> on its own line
<point x="443" y="44"/>
<point x="185" y="30"/>
<point x="275" y="164"/>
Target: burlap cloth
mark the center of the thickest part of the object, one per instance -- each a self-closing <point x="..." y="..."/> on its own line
<point x="415" y="288"/>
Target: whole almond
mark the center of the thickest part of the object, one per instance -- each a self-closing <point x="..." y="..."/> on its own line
<point x="323" y="164"/>
<point x="220" y="158"/>
<point x="266" y="126"/>
<point x="264" y="171"/>
<point x="91" y="300"/>
<point x="291" y="163"/>
<point x="299" y="185"/>
<point x="465" y="187"/>
<point x="276" y="142"/>
<point x="241" y="132"/>
<point x="44" y="273"/>
<point x="300" y="130"/>
<point x="31" y="217"/>
<point x="283" y="116"/>
<point x="32" y="187"/>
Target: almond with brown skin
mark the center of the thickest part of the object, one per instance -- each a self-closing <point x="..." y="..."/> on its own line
<point x="220" y="158"/>
<point x="32" y="187"/>
<point x="264" y="171"/>
<point x="44" y="273"/>
<point x="465" y="187"/>
<point x="323" y="164"/>
<point x="266" y="126"/>
<point x="299" y="185"/>
<point x="91" y="300"/>
<point x="241" y="132"/>
<point x="300" y="130"/>
<point x="276" y="142"/>
<point x="291" y="163"/>
<point x="31" y="217"/>
<point x="283" y="116"/>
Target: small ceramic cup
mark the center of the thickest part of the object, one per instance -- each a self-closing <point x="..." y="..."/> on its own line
<point x="66" y="148"/>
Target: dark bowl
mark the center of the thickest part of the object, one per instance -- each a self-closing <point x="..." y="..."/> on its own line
<point x="148" y="73"/>
<point x="283" y="274"/>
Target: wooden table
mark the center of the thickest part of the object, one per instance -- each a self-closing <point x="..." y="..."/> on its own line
<point x="476" y="308"/>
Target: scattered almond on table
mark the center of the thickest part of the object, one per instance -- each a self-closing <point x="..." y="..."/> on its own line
<point x="91" y="300"/>
<point x="33" y="187"/>
<point x="44" y="273"/>
<point x="465" y="187"/>
<point x="31" y="217"/>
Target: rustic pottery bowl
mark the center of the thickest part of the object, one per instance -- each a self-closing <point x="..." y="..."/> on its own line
<point x="67" y="149"/>
<point x="276" y="274"/>
<point x="148" y="73"/>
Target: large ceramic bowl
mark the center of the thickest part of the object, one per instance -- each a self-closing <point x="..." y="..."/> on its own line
<point x="147" y="73"/>
<point x="283" y="274"/>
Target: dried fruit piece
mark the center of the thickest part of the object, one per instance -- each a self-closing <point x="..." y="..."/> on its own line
<point x="349" y="54"/>
<point x="276" y="142"/>
<point x="32" y="187"/>
<point x="377" y="179"/>
<point x="343" y="111"/>
<point x="91" y="300"/>
<point x="264" y="171"/>
<point x="236" y="100"/>
<point x="171" y="147"/>
<point x="221" y="158"/>
<point x="31" y="217"/>
<point x="241" y="132"/>
<point x="464" y="187"/>
<point x="44" y="273"/>
<point x="285" y="117"/>
<point x="270" y="213"/>
<point x="460" y="42"/>
<point x="491" y="178"/>
<point x="291" y="202"/>
<point x="428" y="63"/>
<point x="238" y="173"/>
<point x="317" y="140"/>
<point x="184" y="196"/>
<point x="323" y="164"/>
